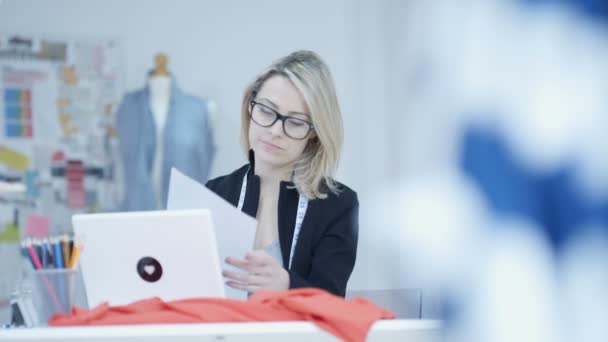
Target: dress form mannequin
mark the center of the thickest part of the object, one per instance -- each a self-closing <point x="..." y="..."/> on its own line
<point x="159" y="85"/>
<point x="159" y="127"/>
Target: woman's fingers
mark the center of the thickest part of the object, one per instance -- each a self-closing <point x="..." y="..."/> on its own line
<point x="242" y="277"/>
<point x="247" y="278"/>
<point x="242" y="264"/>
<point x="254" y="266"/>
<point x="246" y="265"/>
<point x="244" y="287"/>
<point x="260" y="271"/>
<point x="259" y="257"/>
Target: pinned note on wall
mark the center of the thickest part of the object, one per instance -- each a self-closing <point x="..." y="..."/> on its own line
<point x="13" y="159"/>
<point x="74" y="173"/>
<point x="9" y="234"/>
<point x="37" y="226"/>
<point x="9" y="224"/>
<point x="31" y="184"/>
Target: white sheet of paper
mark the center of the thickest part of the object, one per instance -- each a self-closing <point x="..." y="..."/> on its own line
<point x="234" y="230"/>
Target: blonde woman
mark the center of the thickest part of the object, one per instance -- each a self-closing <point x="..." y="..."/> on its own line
<point x="307" y="222"/>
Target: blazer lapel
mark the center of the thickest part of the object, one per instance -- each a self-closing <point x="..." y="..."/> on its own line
<point x="288" y="203"/>
<point x="252" y="194"/>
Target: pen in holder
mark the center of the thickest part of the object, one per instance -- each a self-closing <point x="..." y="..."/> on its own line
<point x="55" y="281"/>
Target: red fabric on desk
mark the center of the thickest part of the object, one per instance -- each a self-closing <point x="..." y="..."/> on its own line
<point x="349" y="320"/>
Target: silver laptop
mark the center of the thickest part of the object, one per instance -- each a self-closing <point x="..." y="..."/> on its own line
<point x="136" y="255"/>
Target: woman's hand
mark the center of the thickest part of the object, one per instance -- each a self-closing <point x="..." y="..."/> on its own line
<point x="261" y="272"/>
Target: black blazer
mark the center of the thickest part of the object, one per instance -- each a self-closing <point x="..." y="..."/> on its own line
<point x="326" y="249"/>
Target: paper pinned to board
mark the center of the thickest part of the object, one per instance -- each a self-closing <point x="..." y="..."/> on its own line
<point x="234" y="230"/>
<point x="37" y="226"/>
<point x="14" y="159"/>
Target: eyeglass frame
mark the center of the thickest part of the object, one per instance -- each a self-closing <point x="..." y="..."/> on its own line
<point x="279" y="116"/>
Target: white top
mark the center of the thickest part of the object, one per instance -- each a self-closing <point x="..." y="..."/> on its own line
<point x="302" y="208"/>
<point x="160" y="95"/>
<point x="274" y="250"/>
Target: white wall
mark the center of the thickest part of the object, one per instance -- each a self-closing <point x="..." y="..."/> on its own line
<point x="216" y="47"/>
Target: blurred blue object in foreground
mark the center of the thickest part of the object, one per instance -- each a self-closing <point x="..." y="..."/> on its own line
<point x="552" y="200"/>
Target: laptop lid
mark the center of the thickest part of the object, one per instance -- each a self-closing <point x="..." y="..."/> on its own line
<point x="137" y="255"/>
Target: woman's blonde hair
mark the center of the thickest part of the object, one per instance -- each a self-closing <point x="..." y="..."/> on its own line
<point x="315" y="169"/>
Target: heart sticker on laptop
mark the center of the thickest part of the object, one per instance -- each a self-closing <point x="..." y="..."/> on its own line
<point x="149" y="269"/>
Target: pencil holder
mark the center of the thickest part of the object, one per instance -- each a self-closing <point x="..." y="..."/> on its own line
<point x="55" y="291"/>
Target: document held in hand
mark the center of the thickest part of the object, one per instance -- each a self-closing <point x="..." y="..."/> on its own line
<point x="234" y="230"/>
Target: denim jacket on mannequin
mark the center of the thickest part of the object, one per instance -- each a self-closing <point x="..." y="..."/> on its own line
<point x="188" y="144"/>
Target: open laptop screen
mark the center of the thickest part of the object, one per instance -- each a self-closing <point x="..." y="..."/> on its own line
<point x="137" y="255"/>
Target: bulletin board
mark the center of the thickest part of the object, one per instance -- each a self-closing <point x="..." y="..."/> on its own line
<point x="58" y="148"/>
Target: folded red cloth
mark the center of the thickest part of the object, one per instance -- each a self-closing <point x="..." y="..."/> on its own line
<point x="349" y="320"/>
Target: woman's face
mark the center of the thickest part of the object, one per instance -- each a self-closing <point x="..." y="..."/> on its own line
<point x="271" y="144"/>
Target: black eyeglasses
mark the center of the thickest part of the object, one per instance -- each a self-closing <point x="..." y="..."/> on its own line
<point x="293" y="127"/>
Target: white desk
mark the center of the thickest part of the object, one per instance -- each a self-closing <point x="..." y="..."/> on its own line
<point x="394" y="330"/>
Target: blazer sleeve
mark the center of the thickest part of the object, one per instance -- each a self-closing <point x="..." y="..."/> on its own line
<point x="334" y="257"/>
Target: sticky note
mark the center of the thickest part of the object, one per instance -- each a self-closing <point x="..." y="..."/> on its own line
<point x="13" y="159"/>
<point x="37" y="226"/>
<point x="9" y="234"/>
<point x="31" y="183"/>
